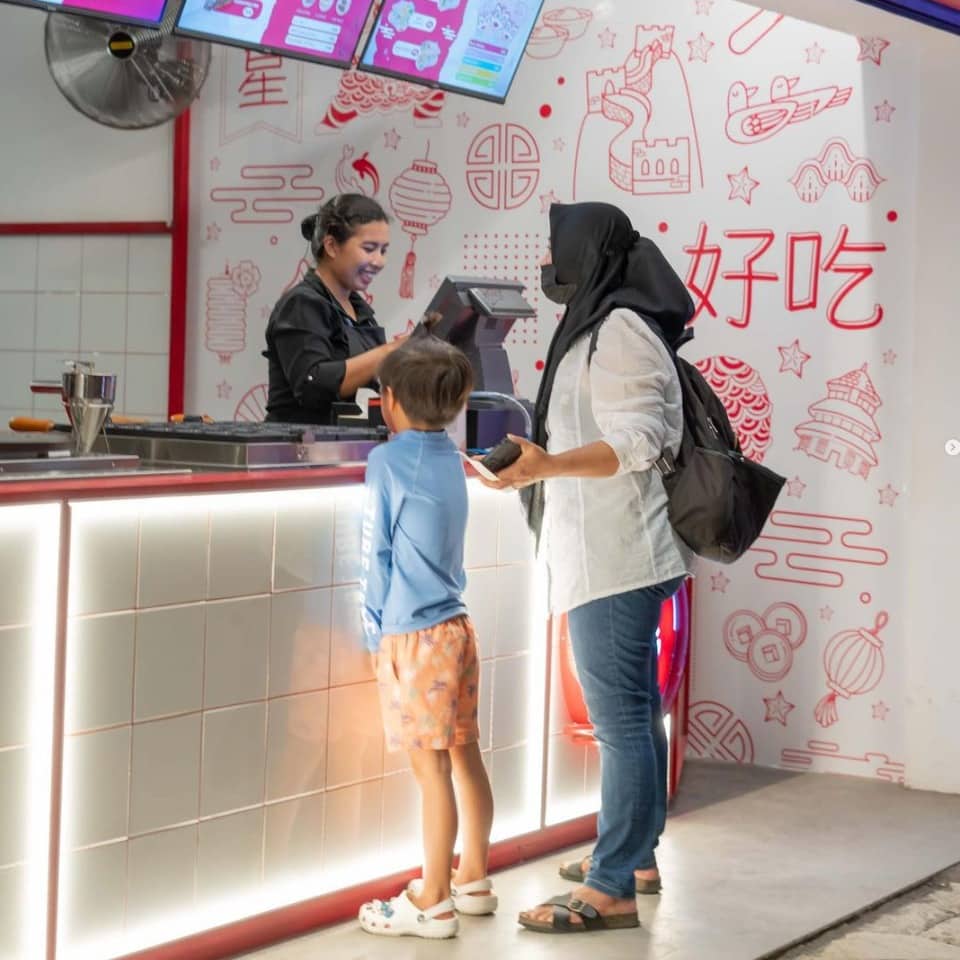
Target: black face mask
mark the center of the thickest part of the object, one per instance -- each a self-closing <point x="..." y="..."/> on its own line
<point x="561" y="293"/>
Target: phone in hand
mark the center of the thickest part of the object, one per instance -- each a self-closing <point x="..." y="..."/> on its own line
<point x="502" y="455"/>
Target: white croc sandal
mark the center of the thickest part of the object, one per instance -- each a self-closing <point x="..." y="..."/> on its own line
<point x="474" y="899"/>
<point x="400" y="917"/>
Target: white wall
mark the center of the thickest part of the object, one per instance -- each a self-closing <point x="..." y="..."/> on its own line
<point x="933" y="568"/>
<point x="57" y="165"/>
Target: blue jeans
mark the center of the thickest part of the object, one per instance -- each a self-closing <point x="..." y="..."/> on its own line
<point x="615" y="649"/>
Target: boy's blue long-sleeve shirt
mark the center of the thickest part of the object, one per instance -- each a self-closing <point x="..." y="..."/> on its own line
<point x="414" y="523"/>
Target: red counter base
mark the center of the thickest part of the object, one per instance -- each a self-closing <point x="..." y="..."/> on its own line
<point x="306" y="917"/>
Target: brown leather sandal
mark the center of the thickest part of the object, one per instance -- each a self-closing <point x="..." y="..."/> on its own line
<point x="565" y="905"/>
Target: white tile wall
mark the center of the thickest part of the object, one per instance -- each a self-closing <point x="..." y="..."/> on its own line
<point x="105" y="298"/>
<point x="165" y="773"/>
<point x="234" y="753"/>
<point x="294" y="837"/>
<point x="100" y="671"/>
<point x="230" y="856"/>
<point x="13" y="882"/>
<point x="95" y="890"/>
<point x="14" y="769"/>
<point x="14" y="686"/>
<point x="349" y="659"/>
<point x="355" y="745"/>
<point x="103" y="562"/>
<point x="236" y="651"/>
<point x="256" y="752"/>
<point x="96" y="787"/>
<point x="299" y="641"/>
<point x="17" y="550"/>
<point x="511" y="682"/>
<point x="173" y="559"/>
<point x="297" y="745"/>
<point x="162" y="872"/>
<point x="480" y="549"/>
<point x="304" y="547"/>
<point x="169" y="661"/>
<point x="351" y="828"/>
<point x="241" y="552"/>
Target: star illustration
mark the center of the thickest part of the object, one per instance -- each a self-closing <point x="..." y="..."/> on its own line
<point x="224" y="390"/>
<point x="434" y="280"/>
<point x="795" y="487"/>
<point x="607" y="38"/>
<point x="391" y="139"/>
<point x="546" y="199"/>
<point x="792" y="358"/>
<point x="213" y="232"/>
<point x="559" y="144"/>
<point x="826" y="613"/>
<point x="890" y="358"/>
<point x="888" y="496"/>
<point x="778" y="708"/>
<point x="700" y="48"/>
<point x="871" y="48"/>
<point x="742" y="186"/>
<point x="719" y="582"/>
<point x="703" y="6"/>
<point x="880" y="710"/>
<point x="463" y="119"/>
<point x="815" y="53"/>
<point x="884" y="111"/>
<point x="215" y="164"/>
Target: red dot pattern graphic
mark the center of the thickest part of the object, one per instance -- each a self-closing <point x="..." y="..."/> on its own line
<point x="546" y="110"/>
<point x="561" y="81"/>
<point x="539" y="365"/>
<point x="663" y="226"/>
<point x="893" y="216"/>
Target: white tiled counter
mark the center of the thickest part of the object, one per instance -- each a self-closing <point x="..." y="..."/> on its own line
<point x="191" y="754"/>
<point x="214" y="708"/>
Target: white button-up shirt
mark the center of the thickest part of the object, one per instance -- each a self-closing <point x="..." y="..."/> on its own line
<point x="607" y="536"/>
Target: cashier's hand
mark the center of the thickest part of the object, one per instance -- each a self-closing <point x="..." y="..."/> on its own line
<point x="534" y="464"/>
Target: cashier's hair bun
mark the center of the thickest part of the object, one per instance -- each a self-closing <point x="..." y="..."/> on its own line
<point x="339" y="218"/>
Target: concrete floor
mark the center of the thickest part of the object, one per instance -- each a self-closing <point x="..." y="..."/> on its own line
<point x="922" y="924"/>
<point x="754" y="861"/>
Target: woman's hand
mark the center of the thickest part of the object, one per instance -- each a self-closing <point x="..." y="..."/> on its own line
<point x="533" y="465"/>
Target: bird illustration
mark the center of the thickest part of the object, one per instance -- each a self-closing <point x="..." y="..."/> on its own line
<point x="749" y="122"/>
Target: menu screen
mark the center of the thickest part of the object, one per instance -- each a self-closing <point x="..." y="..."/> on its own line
<point x="465" y="46"/>
<point x="326" y="31"/>
<point x="148" y="13"/>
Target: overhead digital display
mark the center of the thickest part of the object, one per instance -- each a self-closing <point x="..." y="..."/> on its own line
<point x="325" y="31"/>
<point x="147" y="13"/>
<point x="464" y="46"/>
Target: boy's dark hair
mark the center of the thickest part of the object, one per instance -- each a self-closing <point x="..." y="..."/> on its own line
<point x="430" y="379"/>
<point x="339" y="218"/>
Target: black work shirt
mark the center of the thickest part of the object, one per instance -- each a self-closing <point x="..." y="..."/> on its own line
<point x="309" y="339"/>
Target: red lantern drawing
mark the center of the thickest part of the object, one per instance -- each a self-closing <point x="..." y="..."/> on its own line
<point x="854" y="664"/>
<point x="420" y="198"/>
<point x="227" y="296"/>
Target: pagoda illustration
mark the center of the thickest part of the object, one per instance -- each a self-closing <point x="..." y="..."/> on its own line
<point x="843" y="429"/>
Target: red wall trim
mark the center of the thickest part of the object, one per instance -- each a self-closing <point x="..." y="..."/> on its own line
<point x="178" y="264"/>
<point x="90" y="229"/>
<point x="306" y="917"/>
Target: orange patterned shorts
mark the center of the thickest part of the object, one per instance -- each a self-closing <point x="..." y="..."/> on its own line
<point x="429" y="683"/>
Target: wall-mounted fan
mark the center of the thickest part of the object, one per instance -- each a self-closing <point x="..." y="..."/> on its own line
<point x="123" y="76"/>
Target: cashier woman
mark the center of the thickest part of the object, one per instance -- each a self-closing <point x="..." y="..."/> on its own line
<point x="323" y="342"/>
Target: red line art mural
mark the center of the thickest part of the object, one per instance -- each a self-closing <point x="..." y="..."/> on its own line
<point x="270" y="193"/>
<point x="836" y="163"/>
<point x="827" y="756"/>
<point x="744" y="37"/>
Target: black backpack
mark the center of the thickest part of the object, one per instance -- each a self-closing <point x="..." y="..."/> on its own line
<point x="718" y="500"/>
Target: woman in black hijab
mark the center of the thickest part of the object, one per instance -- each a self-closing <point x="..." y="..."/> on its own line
<point x="609" y="405"/>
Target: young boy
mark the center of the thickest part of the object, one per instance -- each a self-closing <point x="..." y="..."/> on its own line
<point x="424" y="645"/>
